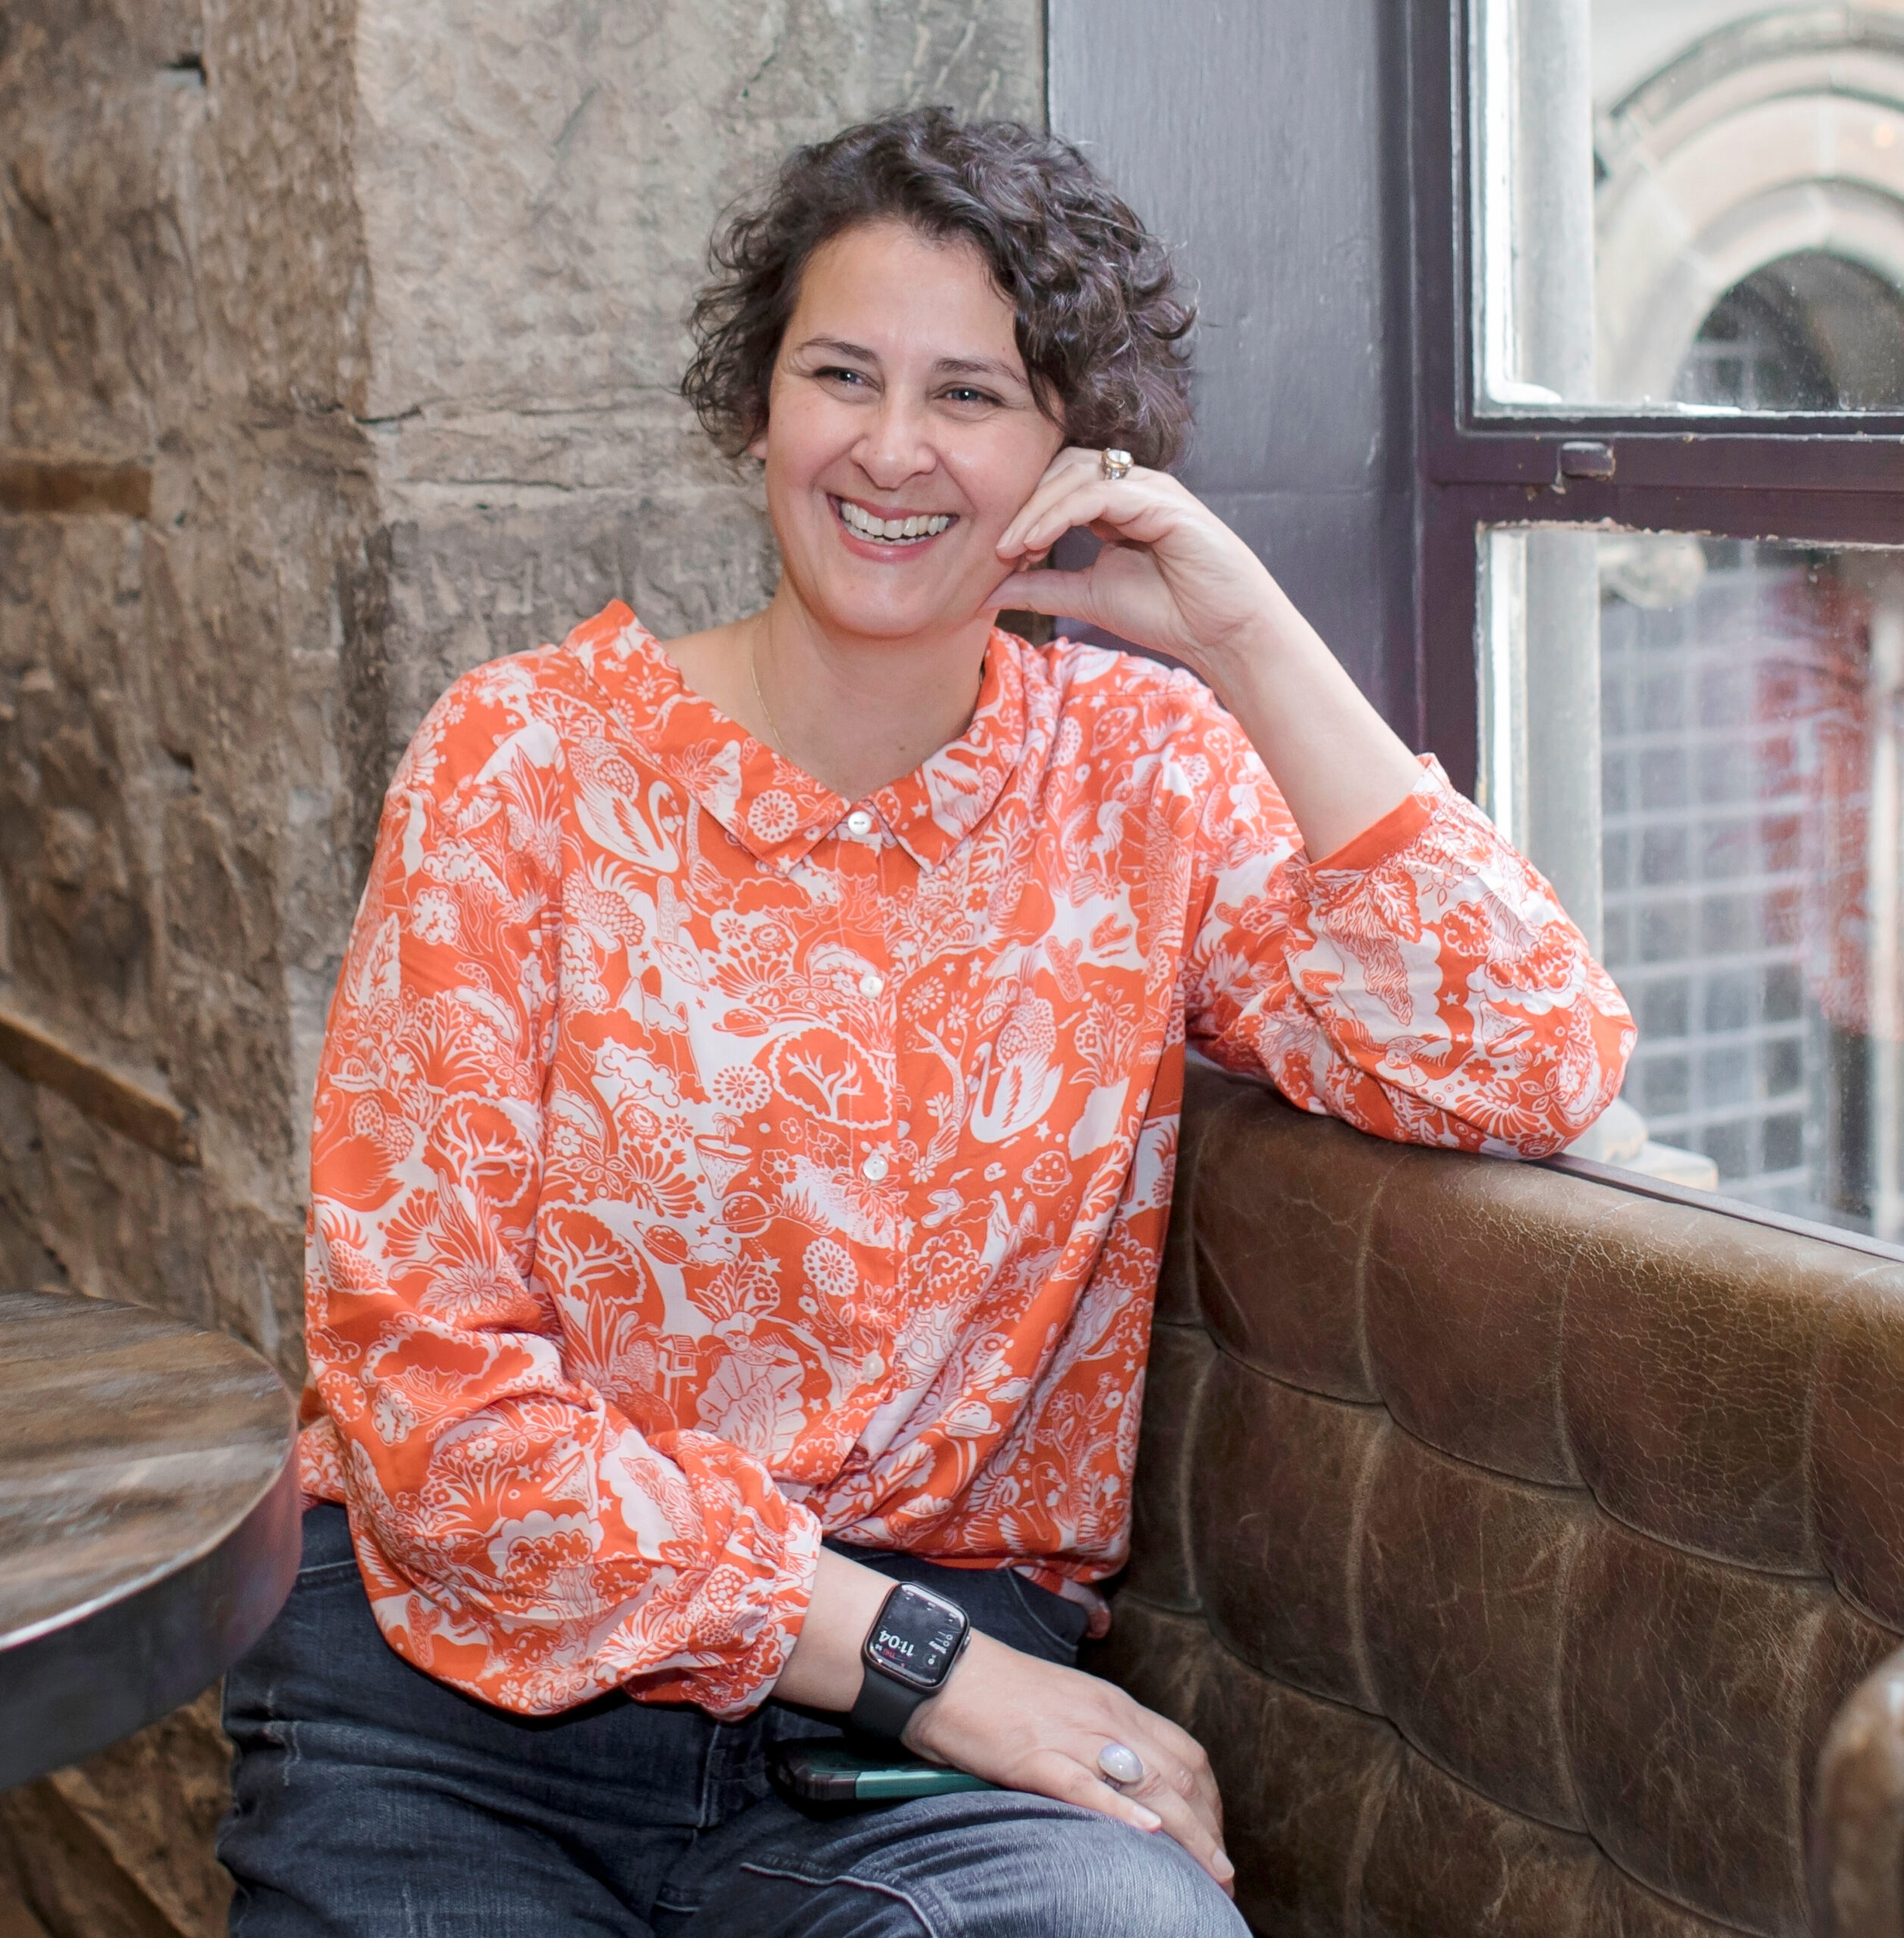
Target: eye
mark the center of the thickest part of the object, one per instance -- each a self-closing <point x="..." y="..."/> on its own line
<point x="969" y="396"/>
<point x="838" y="373"/>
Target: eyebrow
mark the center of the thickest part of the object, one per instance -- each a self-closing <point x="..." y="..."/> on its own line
<point x="978" y="366"/>
<point x="951" y="367"/>
<point x="840" y="347"/>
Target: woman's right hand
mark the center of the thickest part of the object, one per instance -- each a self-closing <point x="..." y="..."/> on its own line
<point x="1031" y="1725"/>
<point x="1015" y="1720"/>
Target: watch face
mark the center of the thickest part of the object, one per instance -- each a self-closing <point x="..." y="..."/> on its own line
<point x="916" y="1637"/>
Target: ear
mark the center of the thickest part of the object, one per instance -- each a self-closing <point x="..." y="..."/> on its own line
<point x="758" y="448"/>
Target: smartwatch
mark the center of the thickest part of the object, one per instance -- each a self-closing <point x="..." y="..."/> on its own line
<point x="908" y="1652"/>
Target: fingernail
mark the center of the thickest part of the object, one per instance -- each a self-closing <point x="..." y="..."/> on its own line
<point x="1149" y="1819"/>
<point x="1222" y="1866"/>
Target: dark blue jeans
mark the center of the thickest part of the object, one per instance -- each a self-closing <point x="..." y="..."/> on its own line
<point x="371" y="1802"/>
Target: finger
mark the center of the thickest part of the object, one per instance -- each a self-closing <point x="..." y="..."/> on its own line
<point x="1166" y="1776"/>
<point x="1063" y="468"/>
<point x="1187" y="1754"/>
<point x="1063" y="1778"/>
<point x="1171" y="1757"/>
<point x="1036" y="510"/>
<point x="1073" y="472"/>
<point x="1166" y="1785"/>
<point x="1047" y="504"/>
<point x="1191" y="1778"/>
<point x="1169" y="1787"/>
<point x="1139" y="506"/>
<point x="1182" y="1820"/>
<point x="1074" y="461"/>
<point x="1074" y="1783"/>
<point x="1064" y="595"/>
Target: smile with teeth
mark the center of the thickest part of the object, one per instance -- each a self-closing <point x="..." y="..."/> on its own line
<point x="907" y="531"/>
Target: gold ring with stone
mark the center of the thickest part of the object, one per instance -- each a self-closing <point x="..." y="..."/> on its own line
<point x="1114" y="465"/>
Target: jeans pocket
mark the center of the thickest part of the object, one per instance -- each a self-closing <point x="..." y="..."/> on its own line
<point x="1062" y="1622"/>
<point x="328" y="1551"/>
<point x="318" y="1572"/>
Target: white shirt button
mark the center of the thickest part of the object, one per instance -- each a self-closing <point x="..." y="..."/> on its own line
<point x="859" y="822"/>
<point x="870" y="985"/>
<point x="874" y="1168"/>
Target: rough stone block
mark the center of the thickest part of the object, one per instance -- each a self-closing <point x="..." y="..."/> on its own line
<point x="121" y="1843"/>
<point x="338" y="345"/>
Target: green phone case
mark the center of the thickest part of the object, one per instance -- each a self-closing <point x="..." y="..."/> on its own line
<point x="825" y="1773"/>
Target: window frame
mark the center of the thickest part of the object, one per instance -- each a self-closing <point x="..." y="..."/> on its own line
<point x="1832" y="479"/>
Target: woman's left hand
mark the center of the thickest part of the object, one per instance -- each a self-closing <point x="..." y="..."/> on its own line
<point x="1174" y="578"/>
<point x="1172" y="575"/>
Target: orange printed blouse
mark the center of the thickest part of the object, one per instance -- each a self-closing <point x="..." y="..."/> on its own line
<point x="704" y="1162"/>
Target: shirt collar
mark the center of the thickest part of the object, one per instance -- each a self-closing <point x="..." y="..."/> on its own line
<point x="773" y="809"/>
<point x="932" y="809"/>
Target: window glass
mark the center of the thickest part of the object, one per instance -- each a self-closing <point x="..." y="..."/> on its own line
<point x="1688" y="205"/>
<point x="1704" y="750"/>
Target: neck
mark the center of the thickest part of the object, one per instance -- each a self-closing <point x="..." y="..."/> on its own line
<point x="854" y="712"/>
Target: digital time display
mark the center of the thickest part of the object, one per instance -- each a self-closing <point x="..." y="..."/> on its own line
<point x="916" y="1637"/>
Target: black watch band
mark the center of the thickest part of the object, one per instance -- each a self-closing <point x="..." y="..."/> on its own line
<point x="908" y="1654"/>
<point x="885" y="1705"/>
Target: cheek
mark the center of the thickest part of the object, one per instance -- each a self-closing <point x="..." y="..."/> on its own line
<point x="804" y="435"/>
<point x="997" y="476"/>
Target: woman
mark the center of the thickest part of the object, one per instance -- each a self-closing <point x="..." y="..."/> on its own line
<point x="747" y="1118"/>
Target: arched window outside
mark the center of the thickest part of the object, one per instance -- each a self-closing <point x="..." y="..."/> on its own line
<point x="1691" y="214"/>
<point x="1809" y="332"/>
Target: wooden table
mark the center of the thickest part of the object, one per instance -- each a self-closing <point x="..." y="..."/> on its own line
<point x="149" y="1519"/>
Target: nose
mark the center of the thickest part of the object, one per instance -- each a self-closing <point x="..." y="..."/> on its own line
<point x="897" y="444"/>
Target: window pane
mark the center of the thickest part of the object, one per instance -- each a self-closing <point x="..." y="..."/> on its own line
<point x="1689" y="205"/>
<point x="1731" y="823"/>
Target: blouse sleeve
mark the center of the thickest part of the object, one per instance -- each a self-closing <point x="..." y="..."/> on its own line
<point x="521" y="1539"/>
<point x="1421" y="983"/>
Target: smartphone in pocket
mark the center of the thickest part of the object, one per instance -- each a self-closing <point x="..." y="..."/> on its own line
<point x="831" y="1773"/>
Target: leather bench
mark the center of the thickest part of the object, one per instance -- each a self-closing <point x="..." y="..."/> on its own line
<point x="1512" y="1541"/>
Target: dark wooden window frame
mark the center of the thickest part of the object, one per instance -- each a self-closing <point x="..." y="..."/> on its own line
<point x="1833" y="480"/>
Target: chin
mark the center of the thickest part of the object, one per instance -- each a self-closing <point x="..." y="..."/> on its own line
<point x="872" y="622"/>
<point x="872" y="612"/>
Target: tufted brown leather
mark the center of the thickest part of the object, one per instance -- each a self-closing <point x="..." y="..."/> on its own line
<point x="1512" y="1541"/>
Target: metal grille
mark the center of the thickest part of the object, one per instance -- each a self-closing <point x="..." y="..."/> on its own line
<point x="1706" y="764"/>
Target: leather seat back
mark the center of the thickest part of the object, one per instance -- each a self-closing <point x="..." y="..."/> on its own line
<point x="1510" y="1539"/>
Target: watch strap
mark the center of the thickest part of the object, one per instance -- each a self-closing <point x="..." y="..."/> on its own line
<point x="885" y="1704"/>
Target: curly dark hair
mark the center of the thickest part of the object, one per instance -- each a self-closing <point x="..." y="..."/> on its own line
<point x="1100" y="326"/>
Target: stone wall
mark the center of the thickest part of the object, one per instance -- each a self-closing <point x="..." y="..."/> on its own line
<point x="338" y="346"/>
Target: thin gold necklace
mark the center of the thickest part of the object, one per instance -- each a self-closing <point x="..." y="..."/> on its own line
<point x="775" y="739"/>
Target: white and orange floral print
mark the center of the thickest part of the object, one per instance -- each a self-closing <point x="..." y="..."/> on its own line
<point x="704" y="1162"/>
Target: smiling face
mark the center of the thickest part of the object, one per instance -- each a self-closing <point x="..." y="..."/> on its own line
<point x="902" y="435"/>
